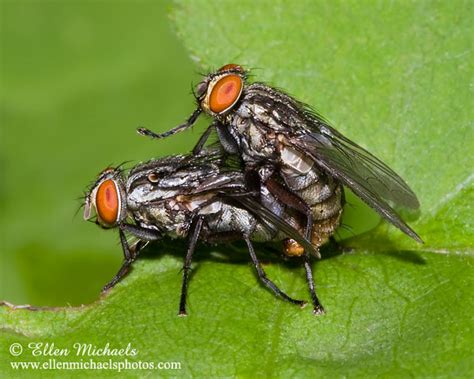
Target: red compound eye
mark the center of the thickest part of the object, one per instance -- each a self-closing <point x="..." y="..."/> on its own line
<point x="107" y="202"/>
<point x="231" y="66"/>
<point x="225" y="93"/>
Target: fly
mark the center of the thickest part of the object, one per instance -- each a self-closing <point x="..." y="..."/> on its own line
<point x="295" y="152"/>
<point x="199" y="197"/>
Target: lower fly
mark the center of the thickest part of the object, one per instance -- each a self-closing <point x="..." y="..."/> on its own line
<point x="200" y="198"/>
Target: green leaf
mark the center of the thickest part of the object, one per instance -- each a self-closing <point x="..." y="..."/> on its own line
<point x="394" y="77"/>
<point x="388" y="313"/>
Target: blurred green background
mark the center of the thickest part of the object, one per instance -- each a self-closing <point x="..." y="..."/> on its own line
<point x="76" y="80"/>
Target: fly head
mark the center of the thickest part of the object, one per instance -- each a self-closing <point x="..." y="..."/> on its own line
<point x="105" y="201"/>
<point x="220" y="91"/>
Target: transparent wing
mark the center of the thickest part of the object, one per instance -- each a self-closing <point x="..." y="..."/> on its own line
<point x="369" y="178"/>
<point x="264" y="214"/>
<point x="231" y="188"/>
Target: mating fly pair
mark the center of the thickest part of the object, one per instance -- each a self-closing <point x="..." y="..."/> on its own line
<point x="290" y="157"/>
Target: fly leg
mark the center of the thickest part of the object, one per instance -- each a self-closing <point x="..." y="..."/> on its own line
<point x="263" y="276"/>
<point x="129" y="258"/>
<point x="189" y="122"/>
<point x="293" y="201"/>
<point x="194" y="236"/>
<point x="252" y="181"/>
<point x="317" y="307"/>
<point x="145" y="234"/>
<point x="226" y="140"/>
<point x="130" y="255"/>
<point x="202" y="140"/>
